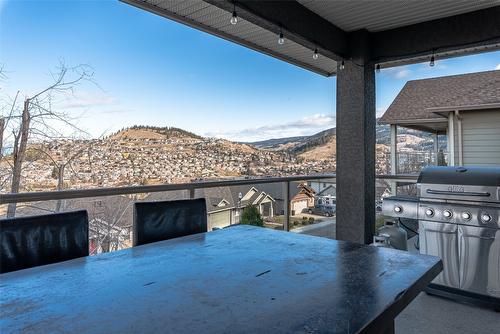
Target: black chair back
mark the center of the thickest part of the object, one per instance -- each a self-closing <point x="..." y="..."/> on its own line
<point x="27" y="242"/>
<point x="156" y="221"/>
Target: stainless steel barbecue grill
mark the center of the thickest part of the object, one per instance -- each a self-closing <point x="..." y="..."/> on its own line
<point x="458" y="212"/>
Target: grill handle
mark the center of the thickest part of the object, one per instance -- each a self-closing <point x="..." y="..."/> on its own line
<point x="465" y="193"/>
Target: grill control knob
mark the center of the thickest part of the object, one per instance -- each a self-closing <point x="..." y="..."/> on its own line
<point x="447" y="214"/>
<point x="466" y="215"/>
<point x="485" y="217"/>
<point x="429" y="212"/>
<point x="398" y="209"/>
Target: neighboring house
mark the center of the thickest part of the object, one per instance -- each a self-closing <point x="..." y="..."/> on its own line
<point x="221" y="207"/>
<point x="321" y="185"/>
<point x="465" y="108"/>
<point x="303" y="199"/>
<point x="326" y="195"/>
<point x="251" y="195"/>
<point x="326" y="200"/>
<point x="330" y="191"/>
<point x="274" y="190"/>
<point x="223" y="203"/>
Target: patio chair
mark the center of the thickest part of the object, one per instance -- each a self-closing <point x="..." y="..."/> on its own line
<point x="27" y="242"/>
<point x="156" y="221"/>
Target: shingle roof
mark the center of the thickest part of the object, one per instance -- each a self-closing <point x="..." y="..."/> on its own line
<point x="418" y="96"/>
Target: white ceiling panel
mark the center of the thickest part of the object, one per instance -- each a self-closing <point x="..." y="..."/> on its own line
<point x="378" y="15"/>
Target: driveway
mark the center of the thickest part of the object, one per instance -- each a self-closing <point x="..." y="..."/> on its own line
<point x="325" y="228"/>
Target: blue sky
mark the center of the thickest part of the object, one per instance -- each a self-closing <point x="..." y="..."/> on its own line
<point x="153" y="71"/>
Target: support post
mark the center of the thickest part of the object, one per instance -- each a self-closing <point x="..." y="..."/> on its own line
<point x="286" y="205"/>
<point x="356" y="144"/>
<point x="191" y="193"/>
<point x="436" y="148"/>
<point x="459" y="138"/>
<point x="394" y="149"/>
<point x="451" y="139"/>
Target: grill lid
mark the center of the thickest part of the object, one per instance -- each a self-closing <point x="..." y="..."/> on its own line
<point x="480" y="176"/>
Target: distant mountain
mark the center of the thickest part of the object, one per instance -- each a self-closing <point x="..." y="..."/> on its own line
<point x="319" y="146"/>
<point x="277" y="142"/>
<point x="295" y="145"/>
<point x="153" y="132"/>
<point x="315" y="147"/>
<point x="311" y="142"/>
<point x="322" y="145"/>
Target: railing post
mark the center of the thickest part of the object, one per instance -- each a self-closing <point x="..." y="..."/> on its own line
<point x="394" y="158"/>
<point x="286" y="205"/>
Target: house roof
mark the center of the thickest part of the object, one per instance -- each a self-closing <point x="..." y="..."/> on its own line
<point x="216" y="201"/>
<point x="304" y="188"/>
<point x="421" y="100"/>
<point x="214" y="196"/>
<point x="331" y="190"/>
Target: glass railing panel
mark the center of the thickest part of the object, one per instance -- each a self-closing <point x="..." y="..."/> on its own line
<point x="254" y="202"/>
<point x="400" y="186"/>
<point x="314" y="207"/>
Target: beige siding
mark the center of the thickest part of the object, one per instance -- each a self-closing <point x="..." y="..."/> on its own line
<point x="219" y="219"/>
<point x="480" y="138"/>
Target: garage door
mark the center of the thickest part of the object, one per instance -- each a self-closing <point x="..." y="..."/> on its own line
<point x="299" y="206"/>
<point x="219" y="219"/>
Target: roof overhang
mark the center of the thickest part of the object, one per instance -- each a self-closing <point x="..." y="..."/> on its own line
<point x="433" y="125"/>
<point x="444" y="111"/>
<point x="399" y="33"/>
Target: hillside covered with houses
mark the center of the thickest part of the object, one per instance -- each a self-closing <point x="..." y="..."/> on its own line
<point x="151" y="155"/>
<point x="143" y="155"/>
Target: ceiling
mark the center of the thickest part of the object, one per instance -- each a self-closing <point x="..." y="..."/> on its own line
<point x="383" y="15"/>
<point x="375" y="16"/>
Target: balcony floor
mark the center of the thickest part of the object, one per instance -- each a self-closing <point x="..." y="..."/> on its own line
<point x="435" y="315"/>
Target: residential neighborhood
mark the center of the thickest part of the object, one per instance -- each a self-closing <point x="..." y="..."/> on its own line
<point x="122" y="160"/>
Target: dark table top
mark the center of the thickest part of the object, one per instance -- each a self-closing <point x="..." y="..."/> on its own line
<point x="238" y="280"/>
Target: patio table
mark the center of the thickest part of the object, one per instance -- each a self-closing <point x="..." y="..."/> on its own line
<point x="242" y="279"/>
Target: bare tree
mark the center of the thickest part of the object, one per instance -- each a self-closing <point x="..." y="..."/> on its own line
<point x="35" y="119"/>
<point x="61" y="163"/>
<point x="108" y="222"/>
<point x="4" y="122"/>
<point x="4" y="118"/>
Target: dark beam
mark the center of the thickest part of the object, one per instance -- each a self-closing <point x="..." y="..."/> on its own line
<point x="469" y="30"/>
<point x="299" y="24"/>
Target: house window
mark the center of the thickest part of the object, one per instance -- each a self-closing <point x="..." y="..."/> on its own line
<point x="324" y="185"/>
